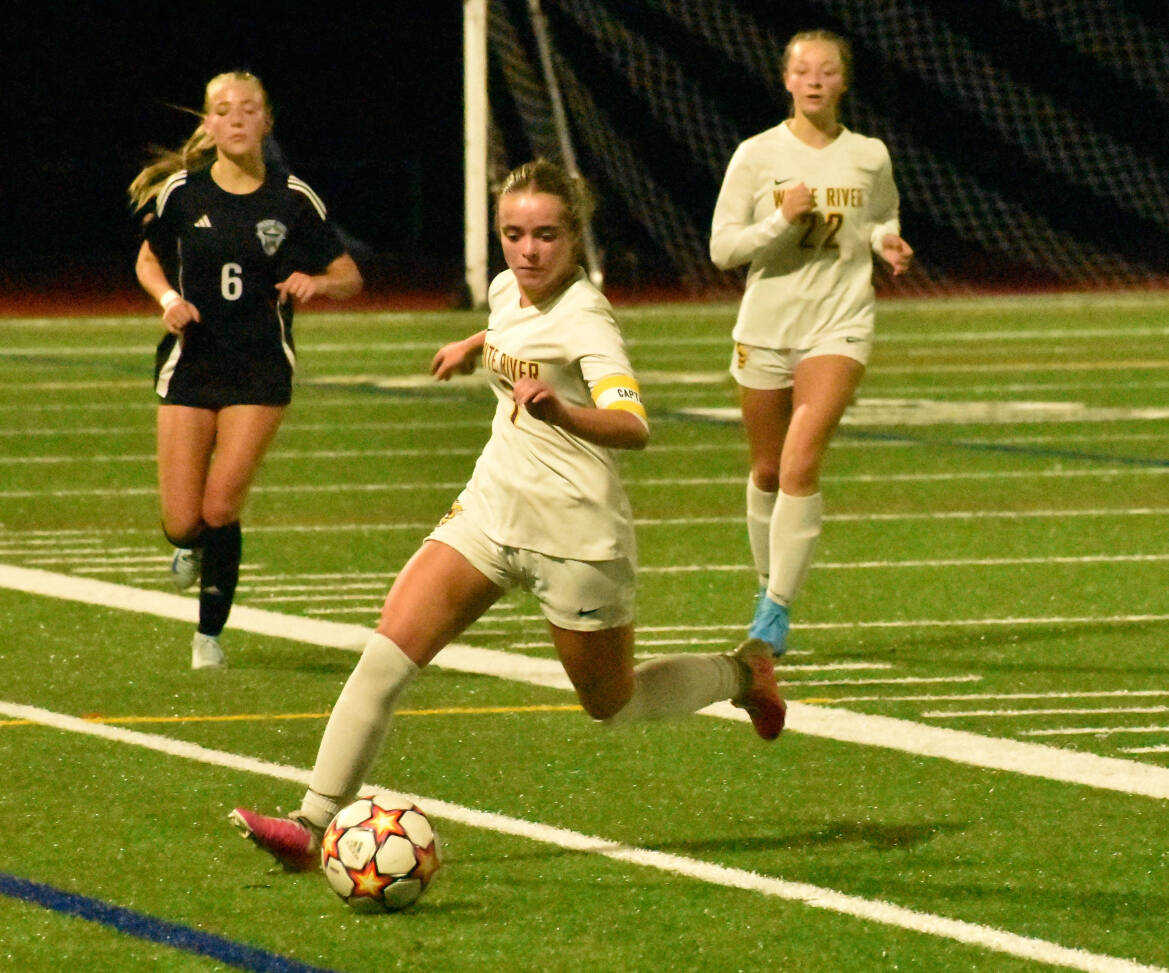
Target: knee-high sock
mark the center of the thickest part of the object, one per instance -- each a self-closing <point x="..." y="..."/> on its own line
<point x="221" y="554"/>
<point x="795" y="528"/>
<point x="357" y="727"/>
<point x="678" y="685"/>
<point x="760" y="504"/>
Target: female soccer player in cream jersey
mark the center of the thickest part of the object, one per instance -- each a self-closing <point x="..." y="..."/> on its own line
<point x="806" y="204"/>
<point x="544" y="510"/>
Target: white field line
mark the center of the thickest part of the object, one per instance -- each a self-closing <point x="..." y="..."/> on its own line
<point x="974" y="622"/>
<point x="833" y="723"/>
<point x="46" y="535"/>
<point x="370" y="598"/>
<point x="974" y="697"/>
<point x="389" y="452"/>
<point x="147" y="430"/>
<point x="678" y="379"/>
<point x="1000" y="389"/>
<point x="115" y="559"/>
<point x="867" y="910"/>
<point x="633" y="482"/>
<point x="367" y="403"/>
<point x="1054" y="711"/>
<point x="911" y="407"/>
<point x="1093" y="731"/>
<point x="892" y="681"/>
<point x="374" y="590"/>
<point x="922" y="411"/>
<point x="719" y="377"/>
<point x="1097" y="440"/>
<point x="982" y="562"/>
<point x="985" y="338"/>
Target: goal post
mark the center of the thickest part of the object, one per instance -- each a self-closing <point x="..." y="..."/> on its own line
<point x="1015" y="169"/>
<point x="477" y="147"/>
<point x="476" y="122"/>
<point x="563" y="135"/>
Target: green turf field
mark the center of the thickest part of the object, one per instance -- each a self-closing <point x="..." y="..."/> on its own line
<point x="976" y="770"/>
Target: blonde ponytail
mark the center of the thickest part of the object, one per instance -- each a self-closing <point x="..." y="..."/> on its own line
<point x="197" y="152"/>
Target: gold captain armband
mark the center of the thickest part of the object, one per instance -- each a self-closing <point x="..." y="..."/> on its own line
<point x="620" y="392"/>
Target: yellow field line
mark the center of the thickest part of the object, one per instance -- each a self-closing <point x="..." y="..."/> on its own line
<point x="241" y="717"/>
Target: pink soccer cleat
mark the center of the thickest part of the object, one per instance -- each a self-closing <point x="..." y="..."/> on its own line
<point x="760" y="694"/>
<point x="291" y="843"/>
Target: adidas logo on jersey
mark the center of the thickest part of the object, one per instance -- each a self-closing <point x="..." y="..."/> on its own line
<point x="204" y="222"/>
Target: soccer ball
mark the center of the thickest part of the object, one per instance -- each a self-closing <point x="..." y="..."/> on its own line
<point x="380" y="853"/>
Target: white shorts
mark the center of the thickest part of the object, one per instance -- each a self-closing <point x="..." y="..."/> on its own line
<point x="775" y="368"/>
<point x="584" y="596"/>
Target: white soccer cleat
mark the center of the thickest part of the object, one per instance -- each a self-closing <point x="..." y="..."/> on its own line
<point x="185" y="567"/>
<point x="206" y="653"/>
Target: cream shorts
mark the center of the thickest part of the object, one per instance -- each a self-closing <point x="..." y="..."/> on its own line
<point x="775" y="368"/>
<point x="584" y="596"/>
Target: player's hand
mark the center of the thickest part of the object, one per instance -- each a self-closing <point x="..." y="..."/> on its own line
<point x="897" y="253"/>
<point x="178" y="314"/>
<point x="540" y="400"/>
<point x="298" y="286"/>
<point x="797" y="202"/>
<point x="454" y="357"/>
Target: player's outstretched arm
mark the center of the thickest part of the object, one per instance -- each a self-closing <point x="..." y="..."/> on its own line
<point x="458" y="356"/>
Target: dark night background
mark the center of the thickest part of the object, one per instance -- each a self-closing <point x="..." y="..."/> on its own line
<point x="368" y="110"/>
<point x="1028" y="144"/>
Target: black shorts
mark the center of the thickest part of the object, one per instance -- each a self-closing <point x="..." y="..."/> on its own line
<point x="211" y="379"/>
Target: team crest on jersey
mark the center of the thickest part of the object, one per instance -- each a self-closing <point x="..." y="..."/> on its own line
<point x="271" y="234"/>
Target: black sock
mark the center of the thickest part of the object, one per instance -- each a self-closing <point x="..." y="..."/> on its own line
<point x="221" y="554"/>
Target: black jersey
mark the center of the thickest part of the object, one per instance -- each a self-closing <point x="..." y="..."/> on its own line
<point x="227" y="252"/>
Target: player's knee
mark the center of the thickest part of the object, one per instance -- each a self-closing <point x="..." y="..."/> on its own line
<point x="605" y="706"/>
<point x="183" y="532"/>
<point x="765" y="476"/>
<point x="219" y="511"/>
<point x="800" y="476"/>
<point x="801" y="484"/>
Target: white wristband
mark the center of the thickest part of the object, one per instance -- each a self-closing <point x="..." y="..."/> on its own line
<point x="169" y="298"/>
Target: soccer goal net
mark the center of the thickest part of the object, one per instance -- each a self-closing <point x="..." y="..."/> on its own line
<point x="1027" y="136"/>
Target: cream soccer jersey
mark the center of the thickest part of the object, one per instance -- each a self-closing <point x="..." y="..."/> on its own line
<point x="536" y="486"/>
<point x="810" y="279"/>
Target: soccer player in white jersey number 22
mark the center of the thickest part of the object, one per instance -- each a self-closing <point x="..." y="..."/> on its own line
<point x="805" y="204"/>
<point x="544" y="510"/>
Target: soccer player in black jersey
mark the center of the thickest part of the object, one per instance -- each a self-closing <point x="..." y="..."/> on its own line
<point x="230" y="245"/>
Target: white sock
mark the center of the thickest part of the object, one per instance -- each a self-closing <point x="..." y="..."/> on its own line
<point x="357" y="727"/>
<point x="678" y="685"/>
<point x="795" y="528"/>
<point x="760" y="504"/>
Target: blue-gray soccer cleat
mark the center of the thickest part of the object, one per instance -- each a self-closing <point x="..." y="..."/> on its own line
<point x="771" y="624"/>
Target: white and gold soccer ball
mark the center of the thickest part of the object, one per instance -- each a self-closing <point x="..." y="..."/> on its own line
<point x="380" y="853"/>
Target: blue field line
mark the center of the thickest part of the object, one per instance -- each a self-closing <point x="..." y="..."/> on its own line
<point x="1072" y="454"/>
<point x="152" y="929"/>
